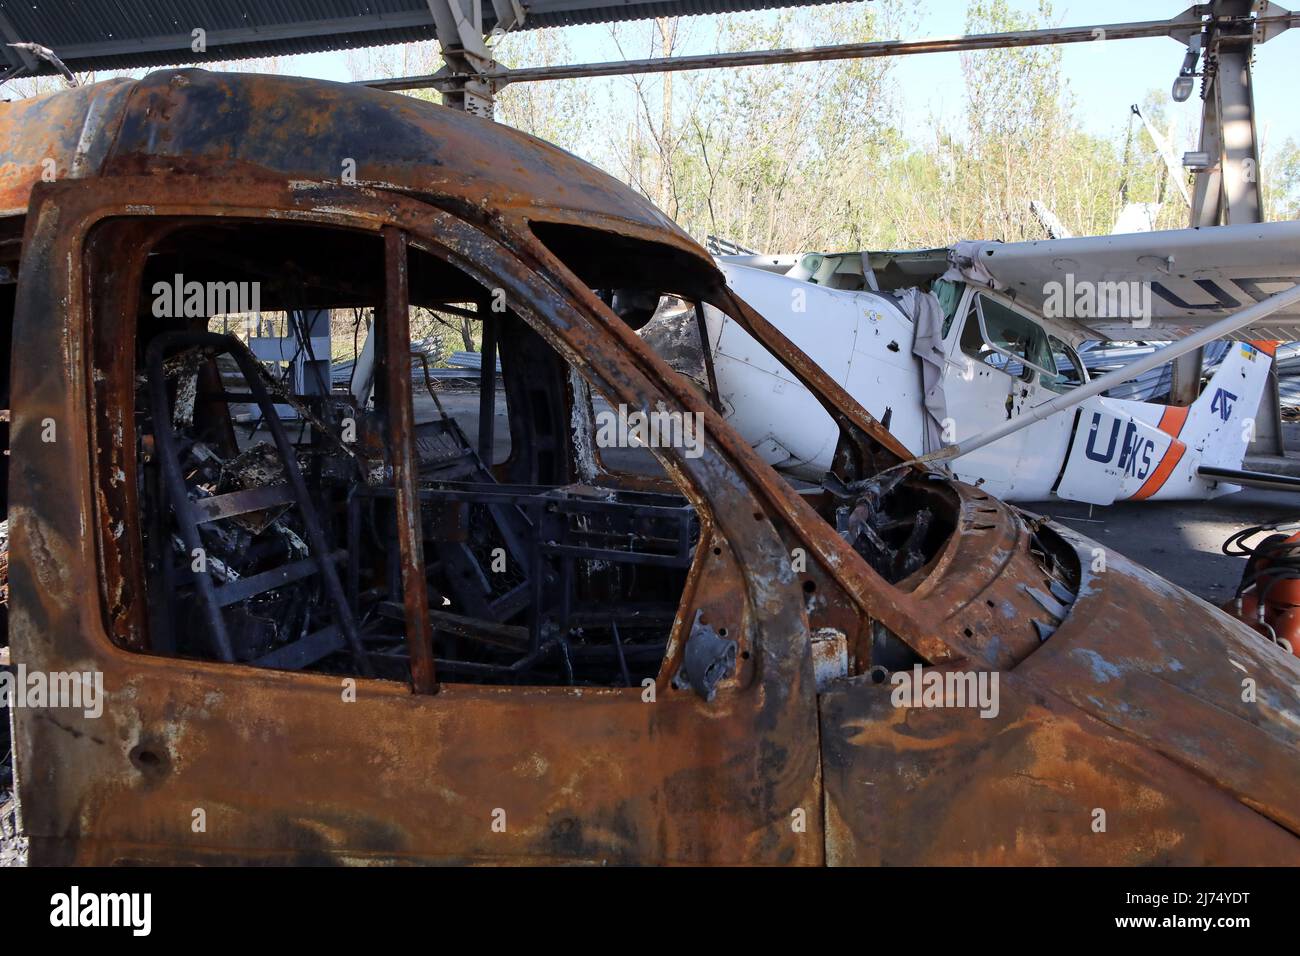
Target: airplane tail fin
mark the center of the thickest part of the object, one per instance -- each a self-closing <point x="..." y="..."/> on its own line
<point x="1221" y="422"/>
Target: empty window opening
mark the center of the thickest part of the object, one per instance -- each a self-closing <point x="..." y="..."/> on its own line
<point x="253" y="510"/>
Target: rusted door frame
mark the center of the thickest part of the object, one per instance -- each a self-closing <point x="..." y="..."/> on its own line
<point x="699" y="782"/>
<point x="394" y="331"/>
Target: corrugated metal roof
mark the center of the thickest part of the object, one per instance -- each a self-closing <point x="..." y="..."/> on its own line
<point x="127" y="34"/>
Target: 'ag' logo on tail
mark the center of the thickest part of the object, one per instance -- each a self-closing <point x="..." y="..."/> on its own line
<point x="1222" y="403"/>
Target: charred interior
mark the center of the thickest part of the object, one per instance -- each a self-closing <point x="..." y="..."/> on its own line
<point x="267" y="510"/>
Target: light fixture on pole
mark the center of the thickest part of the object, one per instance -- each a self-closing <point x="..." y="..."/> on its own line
<point x="1187" y="75"/>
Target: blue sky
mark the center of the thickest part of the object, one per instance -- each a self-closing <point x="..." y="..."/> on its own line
<point x="1105" y="77"/>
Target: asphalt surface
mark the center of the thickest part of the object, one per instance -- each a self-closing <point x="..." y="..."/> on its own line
<point x="1179" y="540"/>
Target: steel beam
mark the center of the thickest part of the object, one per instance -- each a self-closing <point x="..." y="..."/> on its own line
<point x="510" y="15"/>
<point x="179" y="43"/>
<point x="463" y="85"/>
<point x="1179" y="28"/>
<point x="1185" y="382"/>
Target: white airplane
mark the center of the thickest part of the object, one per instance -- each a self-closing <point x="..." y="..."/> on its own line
<point x="945" y="346"/>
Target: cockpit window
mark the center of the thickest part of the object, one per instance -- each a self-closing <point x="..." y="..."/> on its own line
<point x="1006" y="340"/>
<point x="949" y="295"/>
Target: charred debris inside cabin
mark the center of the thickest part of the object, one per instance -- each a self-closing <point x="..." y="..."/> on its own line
<point x="272" y="522"/>
<point x="356" y="527"/>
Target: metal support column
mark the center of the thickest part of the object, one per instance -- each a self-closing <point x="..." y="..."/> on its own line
<point x="1227" y="187"/>
<point x="459" y="25"/>
<point x="313" y="370"/>
<point x="1185" y="385"/>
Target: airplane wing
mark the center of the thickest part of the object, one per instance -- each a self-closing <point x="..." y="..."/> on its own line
<point x="1148" y="286"/>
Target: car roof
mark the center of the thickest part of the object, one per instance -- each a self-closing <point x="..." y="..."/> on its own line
<point x="292" y="128"/>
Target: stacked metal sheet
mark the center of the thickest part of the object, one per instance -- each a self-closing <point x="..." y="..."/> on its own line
<point x="1154" y="385"/>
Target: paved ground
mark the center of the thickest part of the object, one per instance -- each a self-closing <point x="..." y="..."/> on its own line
<point x="1179" y="540"/>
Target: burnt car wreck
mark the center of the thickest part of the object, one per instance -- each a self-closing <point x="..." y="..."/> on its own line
<point x="353" y="631"/>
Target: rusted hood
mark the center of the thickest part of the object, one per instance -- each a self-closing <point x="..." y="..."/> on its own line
<point x="1150" y="728"/>
<point x="1162" y="666"/>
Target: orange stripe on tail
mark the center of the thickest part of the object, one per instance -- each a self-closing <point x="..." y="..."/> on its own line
<point x="1171" y="423"/>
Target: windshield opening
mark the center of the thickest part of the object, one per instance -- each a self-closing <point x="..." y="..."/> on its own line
<point x="897" y="520"/>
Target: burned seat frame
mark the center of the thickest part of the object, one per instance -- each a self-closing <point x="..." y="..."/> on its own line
<point x="191" y="515"/>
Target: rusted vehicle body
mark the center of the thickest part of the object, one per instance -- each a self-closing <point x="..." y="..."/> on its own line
<point x="729" y="699"/>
